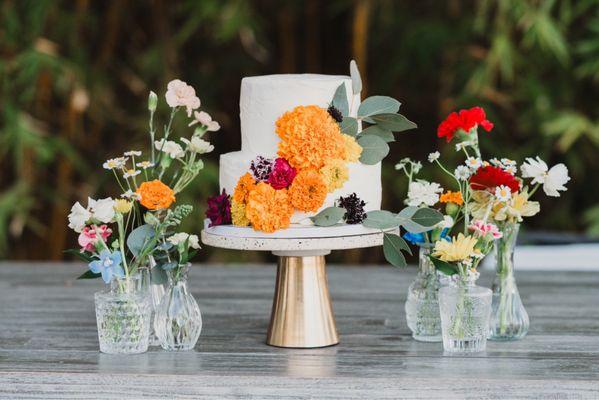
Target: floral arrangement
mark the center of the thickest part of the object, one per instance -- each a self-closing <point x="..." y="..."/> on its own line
<point x="118" y="236"/>
<point x="316" y="145"/>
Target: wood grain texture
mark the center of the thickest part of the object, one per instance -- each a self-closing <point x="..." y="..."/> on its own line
<point x="49" y="347"/>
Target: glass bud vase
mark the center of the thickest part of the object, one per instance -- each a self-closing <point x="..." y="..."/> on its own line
<point x="465" y="310"/>
<point x="155" y="292"/>
<point x="422" y="305"/>
<point x="178" y="320"/>
<point x="509" y="319"/>
<point x="123" y="318"/>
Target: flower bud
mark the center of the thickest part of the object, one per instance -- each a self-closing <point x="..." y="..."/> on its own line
<point x="152" y="101"/>
<point x="122" y="206"/>
<point x="451" y="209"/>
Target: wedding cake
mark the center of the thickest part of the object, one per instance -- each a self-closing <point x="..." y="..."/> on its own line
<point x="265" y="105"/>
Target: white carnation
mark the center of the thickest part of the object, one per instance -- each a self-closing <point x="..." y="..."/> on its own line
<point x="422" y="192"/>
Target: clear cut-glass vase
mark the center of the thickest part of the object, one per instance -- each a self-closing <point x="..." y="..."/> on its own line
<point x="509" y="319"/>
<point x="123" y="317"/>
<point x="178" y="320"/>
<point x="422" y="305"/>
<point x="465" y="309"/>
<point x="155" y="292"/>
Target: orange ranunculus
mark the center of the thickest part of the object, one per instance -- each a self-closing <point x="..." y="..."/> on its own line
<point x="452" y="197"/>
<point x="308" y="191"/>
<point x="245" y="185"/>
<point x="268" y="209"/>
<point x="155" y="195"/>
<point x="309" y="137"/>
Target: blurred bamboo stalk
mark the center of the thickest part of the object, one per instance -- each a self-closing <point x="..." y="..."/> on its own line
<point x="360" y="27"/>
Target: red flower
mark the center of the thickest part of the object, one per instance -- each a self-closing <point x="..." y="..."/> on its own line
<point x="464" y="120"/>
<point x="282" y="174"/>
<point x="219" y="209"/>
<point x="489" y="177"/>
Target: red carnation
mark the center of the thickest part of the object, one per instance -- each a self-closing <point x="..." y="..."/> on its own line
<point x="282" y="174"/>
<point x="219" y="209"/>
<point x="464" y="120"/>
<point x="489" y="177"/>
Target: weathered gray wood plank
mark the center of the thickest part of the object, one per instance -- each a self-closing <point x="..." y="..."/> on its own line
<point x="48" y="343"/>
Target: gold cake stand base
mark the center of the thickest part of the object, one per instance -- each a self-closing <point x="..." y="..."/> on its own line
<point x="302" y="314"/>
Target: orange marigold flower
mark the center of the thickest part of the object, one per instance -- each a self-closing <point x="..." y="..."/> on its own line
<point x="268" y="209"/>
<point x="245" y="185"/>
<point x="155" y="195"/>
<point x="309" y="137"/>
<point x="452" y="197"/>
<point x="352" y="149"/>
<point x="308" y="191"/>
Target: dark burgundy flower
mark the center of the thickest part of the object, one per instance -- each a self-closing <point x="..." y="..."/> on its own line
<point x="282" y="174"/>
<point x="354" y="209"/>
<point x="335" y="113"/>
<point x="219" y="209"/>
<point x="261" y="168"/>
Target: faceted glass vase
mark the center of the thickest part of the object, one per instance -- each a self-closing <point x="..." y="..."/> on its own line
<point x="422" y="305"/>
<point x="156" y="292"/>
<point x="178" y="320"/>
<point x="509" y="319"/>
<point x="123" y="318"/>
<point x="465" y="310"/>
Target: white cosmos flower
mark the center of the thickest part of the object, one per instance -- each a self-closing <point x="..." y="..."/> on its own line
<point x="474" y="163"/>
<point x="115" y="163"/>
<point x="78" y="217"/>
<point x="553" y="180"/>
<point x="101" y="209"/>
<point x="145" y="164"/>
<point x="198" y="145"/>
<point x="503" y="193"/>
<point x="422" y="192"/>
<point x="133" y="153"/>
<point x="130" y="173"/>
<point x="462" y="173"/>
<point x="432" y="157"/>
<point x="178" y="238"/>
<point x="173" y="149"/>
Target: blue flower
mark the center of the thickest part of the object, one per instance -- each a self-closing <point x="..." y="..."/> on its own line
<point x="108" y="265"/>
<point x="414" y="238"/>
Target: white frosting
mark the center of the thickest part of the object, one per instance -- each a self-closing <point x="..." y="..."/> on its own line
<point x="263" y="100"/>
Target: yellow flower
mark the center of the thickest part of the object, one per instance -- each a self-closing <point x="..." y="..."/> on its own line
<point x="238" y="214"/>
<point x="122" y="206"/>
<point x="517" y="207"/>
<point x="460" y="248"/>
<point x="335" y="173"/>
<point x="352" y="149"/>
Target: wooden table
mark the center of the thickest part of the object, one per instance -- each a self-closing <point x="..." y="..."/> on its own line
<point x="49" y="347"/>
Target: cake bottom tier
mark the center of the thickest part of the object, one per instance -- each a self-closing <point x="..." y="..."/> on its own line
<point x="364" y="180"/>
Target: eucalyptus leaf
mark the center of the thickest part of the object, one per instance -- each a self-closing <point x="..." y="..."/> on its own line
<point x="349" y="126"/>
<point x="445" y="267"/>
<point x="89" y="275"/>
<point x="407" y="212"/>
<point x="380" y="219"/>
<point x="376" y="105"/>
<point x="392" y="247"/>
<point x="340" y="100"/>
<point x="356" y="79"/>
<point x="139" y="237"/>
<point x="158" y="276"/>
<point x="329" y="216"/>
<point x="168" y="266"/>
<point x="427" y="217"/>
<point x="393" y="122"/>
<point x="374" y="149"/>
<point x="376" y="130"/>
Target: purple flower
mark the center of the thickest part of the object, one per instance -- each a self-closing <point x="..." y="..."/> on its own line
<point x="282" y="174"/>
<point x="261" y="168"/>
<point x="219" y="209"/>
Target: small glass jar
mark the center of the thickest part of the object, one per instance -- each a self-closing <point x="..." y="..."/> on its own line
<point x="155" y="291"/>
<point x="465" y="309"/>
<point x="123" y="318"/>
<point x="178" y="320"/>
<point x="422" y="304"/>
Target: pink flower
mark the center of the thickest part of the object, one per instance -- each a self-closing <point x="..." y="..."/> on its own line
<point x="483" y="229"/>
<point x="204" y="119"/>
<point x="180" y="94"/>
<point x="88" y="237"/>
<point x="282" y="174"/>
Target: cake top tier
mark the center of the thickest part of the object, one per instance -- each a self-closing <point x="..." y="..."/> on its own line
<point x="265" y="98"/>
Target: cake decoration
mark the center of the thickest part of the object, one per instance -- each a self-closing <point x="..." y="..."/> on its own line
<point x="354" y="209"/>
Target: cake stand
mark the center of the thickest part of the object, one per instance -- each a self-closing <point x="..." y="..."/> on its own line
<point x="302" y="315"/>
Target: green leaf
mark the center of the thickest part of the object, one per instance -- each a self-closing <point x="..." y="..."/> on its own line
<point x="445" y="267"/>
<point x="427" y="217"/>
<point x="376" y="105"/>
<point x="139" y="237"/>
<point x="374" y="149"/>
<point x="376" y="130"/>
<point x="356" y="80"/>
<point x="329" y="216"/>
<point x="77" y="253"/>
<point x="349" y="126"/>
<point x="158" y="276"/>
<point x="340" y="100"/>
<point x="380" y="219"/>
<point x="407" y="212"/>
<point x="392" y="247"/>
<point x="89" y="275"/>
<point x="393" y="122"/>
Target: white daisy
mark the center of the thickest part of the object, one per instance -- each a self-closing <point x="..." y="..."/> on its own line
<point x="133" y="153"/>
<point x="462" y="173"/>
<point x="503" y="193"/>
<point x="474" y="163"/>
<point x="432" y="157"/>
<point x="130" y="173"/>
<point x="145" y="164"/>
<point x="115" y="163"/>
<point x="131" y="195"/>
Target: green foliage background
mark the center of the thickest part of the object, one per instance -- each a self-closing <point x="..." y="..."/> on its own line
<point x="75" y="75"/>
